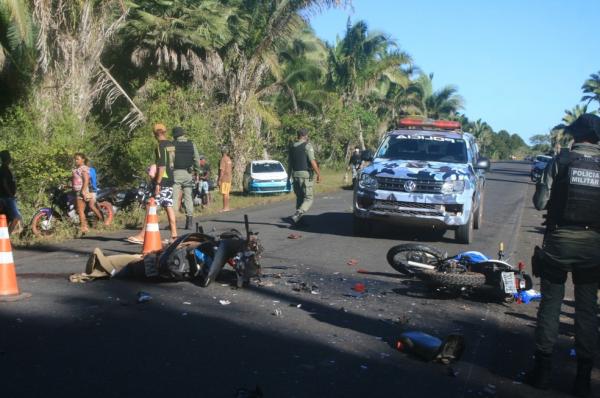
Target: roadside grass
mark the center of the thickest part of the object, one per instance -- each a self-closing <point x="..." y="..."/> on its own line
<point x="332" y="180"/>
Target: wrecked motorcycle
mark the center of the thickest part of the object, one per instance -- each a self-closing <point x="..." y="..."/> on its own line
<point x="199" y="256"/>
<point x="463" y="272"/>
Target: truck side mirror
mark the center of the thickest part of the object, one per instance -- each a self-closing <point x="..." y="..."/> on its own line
<point x="367" y="155"/>
<point x="483" y="164"/>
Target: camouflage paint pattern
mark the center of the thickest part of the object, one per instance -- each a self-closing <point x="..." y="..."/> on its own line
<point x="419" y="171"/>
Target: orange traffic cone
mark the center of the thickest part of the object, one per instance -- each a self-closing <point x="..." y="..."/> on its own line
<point x="152" y="240"/>
<point x="9" y="291"/>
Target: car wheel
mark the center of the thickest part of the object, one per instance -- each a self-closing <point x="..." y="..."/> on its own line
<point x="478" y="216"/>
<point x="464" y="233"/>
<point x="361" y="226"/>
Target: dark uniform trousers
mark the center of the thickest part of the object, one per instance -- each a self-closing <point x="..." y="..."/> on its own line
<point x="569" y="250"/>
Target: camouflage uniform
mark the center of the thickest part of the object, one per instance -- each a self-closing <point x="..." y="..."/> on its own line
<point x="303" y="180"/>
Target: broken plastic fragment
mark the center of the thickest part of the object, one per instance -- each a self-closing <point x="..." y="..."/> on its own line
<point x="143" y="297"/>
<point x="359" y="287"/>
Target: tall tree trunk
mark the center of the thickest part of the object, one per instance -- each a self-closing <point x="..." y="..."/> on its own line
<point x="361" y="139"/>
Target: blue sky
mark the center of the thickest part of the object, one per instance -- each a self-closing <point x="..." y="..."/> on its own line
<point x="519" y="64"/>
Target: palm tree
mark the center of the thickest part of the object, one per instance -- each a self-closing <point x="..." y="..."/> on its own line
<point x="591" y="87"/>
<point x="17" y="47"/>
<point x="483" y="132"/>
<point x="230" y="50"/>
<point x="441" y="104"/>
<point x="298" y="80"/>
<point x="363" y="63"/>
<point x="250" y="60"/>
<point x="179" y="37"/>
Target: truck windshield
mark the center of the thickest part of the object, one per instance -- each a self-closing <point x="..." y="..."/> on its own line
<point x="423" y="147"/>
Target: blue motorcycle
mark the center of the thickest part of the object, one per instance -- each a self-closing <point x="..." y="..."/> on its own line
<point x="460" y="273"/>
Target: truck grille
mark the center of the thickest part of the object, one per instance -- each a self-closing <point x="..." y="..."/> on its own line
<point x="414" y="208"/>
<point x="412" y="205"/>
<point x="397" y="184"/>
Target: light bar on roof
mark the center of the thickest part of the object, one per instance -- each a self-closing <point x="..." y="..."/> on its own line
<point x="439" y="124"/>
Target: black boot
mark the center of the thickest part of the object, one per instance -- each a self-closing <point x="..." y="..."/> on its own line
<point x="581" y="387"/>
<point x="188" y="222"/>
<point x="541" y="374"/>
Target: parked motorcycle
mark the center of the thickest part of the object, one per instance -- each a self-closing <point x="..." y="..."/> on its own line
<point x="128" y="198"/>
<point x="463" y="272"/>
<point x="62" y="208"/>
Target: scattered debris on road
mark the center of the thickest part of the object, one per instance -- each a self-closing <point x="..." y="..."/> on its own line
<point x="431" y="348"/>
<point x="143" y="297"/>
<point x="359" y="287"/>
<point x="224" y="302"/>
<point x="352" y="262"/>
<point x="294" y="236"/>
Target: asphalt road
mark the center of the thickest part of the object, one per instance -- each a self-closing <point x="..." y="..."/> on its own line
<point x="94" y="340"/>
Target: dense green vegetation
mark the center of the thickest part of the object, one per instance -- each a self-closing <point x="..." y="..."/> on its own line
<point x="93" y="76"/>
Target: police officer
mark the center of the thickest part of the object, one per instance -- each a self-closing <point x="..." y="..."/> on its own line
<point x="570" y="191"/>
<point x="186" y="161"/>
<point x="302" y="167"/>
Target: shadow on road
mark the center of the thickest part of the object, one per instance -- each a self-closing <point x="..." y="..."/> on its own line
<point x="340" y="224"/>
<point x="158" y="348"/>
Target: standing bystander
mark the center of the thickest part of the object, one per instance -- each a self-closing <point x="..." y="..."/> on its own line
<point x="80" y="184"/>
<point x="163" y="181"/>
<point x="94" y="190"/>
<point x="8" y="191"/>
<point x="225" y="177"/>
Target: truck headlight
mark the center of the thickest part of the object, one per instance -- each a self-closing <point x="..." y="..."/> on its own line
<point x="456" y="186"/>
<point x="367" y="182"/>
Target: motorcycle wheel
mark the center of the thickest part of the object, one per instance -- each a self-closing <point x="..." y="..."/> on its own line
<point x="42" y="225"/>
<point x="399" y="256"/>
<point x="452" y="279"/>
<point x="107" y="211"/>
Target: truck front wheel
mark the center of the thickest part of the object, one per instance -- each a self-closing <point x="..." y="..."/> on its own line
<point x="464" y="233"/>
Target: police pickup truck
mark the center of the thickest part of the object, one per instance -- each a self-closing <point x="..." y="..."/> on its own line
<point x="426" y="173"/>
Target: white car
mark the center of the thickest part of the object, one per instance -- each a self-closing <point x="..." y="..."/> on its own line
<point x="265" y="176"/>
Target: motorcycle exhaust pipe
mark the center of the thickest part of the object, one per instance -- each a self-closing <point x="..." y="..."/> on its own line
<point x="421" y="265"/>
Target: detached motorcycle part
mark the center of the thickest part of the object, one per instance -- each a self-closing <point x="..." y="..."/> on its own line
<point x="228" y="247"/>
<point x="452" y="279"/>
<point x="400" y="255"/>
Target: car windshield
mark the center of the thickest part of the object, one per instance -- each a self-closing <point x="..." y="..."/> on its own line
<point x="423" y="147"/>
<point x="267" y="167"/>
<point x="543" y="158"/>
